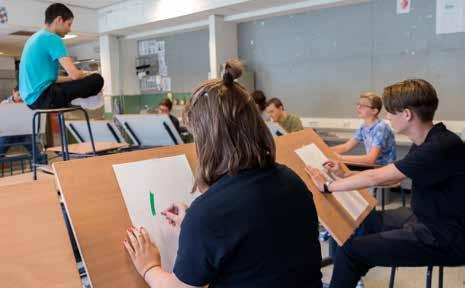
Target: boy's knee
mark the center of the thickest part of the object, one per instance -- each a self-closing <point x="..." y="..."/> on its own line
<point x="98" y="80"/>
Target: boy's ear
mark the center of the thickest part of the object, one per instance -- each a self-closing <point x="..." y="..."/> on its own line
<point x="408" y="114"/>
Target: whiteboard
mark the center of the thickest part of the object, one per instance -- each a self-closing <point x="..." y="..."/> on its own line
<point x="148" y="188"/>
<point x="149" y="129"/>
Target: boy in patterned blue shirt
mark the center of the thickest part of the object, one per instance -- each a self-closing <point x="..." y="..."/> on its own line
<point x="376" y="135"/>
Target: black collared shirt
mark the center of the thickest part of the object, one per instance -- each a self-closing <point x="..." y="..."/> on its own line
<point x="437" y="170"/>
<point x="255" y="229"/>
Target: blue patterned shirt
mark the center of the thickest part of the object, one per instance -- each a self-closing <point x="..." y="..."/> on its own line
<point x="378" y="135"/>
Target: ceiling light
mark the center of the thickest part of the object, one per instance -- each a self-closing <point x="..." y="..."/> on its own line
<point x="70" y="36"/>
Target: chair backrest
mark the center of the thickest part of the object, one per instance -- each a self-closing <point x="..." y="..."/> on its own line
<point x="150" y="129"/>
<point x="16" y="119"/>
<point x="102" y="131"/>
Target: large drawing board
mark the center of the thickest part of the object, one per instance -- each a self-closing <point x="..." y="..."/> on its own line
<point x="339" y="222"/>
<point x="98" y="213"/>
<point x="102" y="131"/>
<point x="148" y="188"/>
<point x="150" y="130"/>
<point x="34" y="242"/>
<point x="16" y="119"/>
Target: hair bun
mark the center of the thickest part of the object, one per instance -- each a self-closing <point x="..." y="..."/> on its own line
<point x="232" y="70"/>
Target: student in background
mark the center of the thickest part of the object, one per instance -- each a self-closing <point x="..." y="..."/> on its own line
<point x="239" y="232"/>
<point x="376" y="135"/>
<point x="164" y="107"/>
<point x="432" y="232"/>
<point x="7" y="141"/>
<point x="14" y="98"/>
<point x="260" y="99"/>
<point x="39" y="83"/>
<point x="275" y="108"/>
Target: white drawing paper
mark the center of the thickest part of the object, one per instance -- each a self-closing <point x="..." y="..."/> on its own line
<point x="352" y="201"/>
<point x="148" y="188"/>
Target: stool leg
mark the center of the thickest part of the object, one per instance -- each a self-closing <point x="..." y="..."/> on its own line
<point x="382" y="199"/>
<point x="393" y="277"/>
<point x="65" y="136"/>
<point x="11" y="168"/>
<point x="402" y="193"/>
<point x="34" y="155"/>
<point x="22" y="166"/>
<point x="429" y="276"/>
<point x="441" y="276"/>
<point x="62" y="133"/>
<point x="91" y="136"/>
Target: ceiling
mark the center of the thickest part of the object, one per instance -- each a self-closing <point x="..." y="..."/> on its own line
<point x="92" y="4"/>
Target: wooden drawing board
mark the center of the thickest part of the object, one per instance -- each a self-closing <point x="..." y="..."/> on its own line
<point x="86" y="148"/>
<point x="34" y="243"/>
<point x="330" y="213"/>
<point x="98" y="213"/>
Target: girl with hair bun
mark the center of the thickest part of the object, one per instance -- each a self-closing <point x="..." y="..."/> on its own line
<point x="255" y="224"/>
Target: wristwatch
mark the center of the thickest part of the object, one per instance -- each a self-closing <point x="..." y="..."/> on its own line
<point x="326" y="187"/>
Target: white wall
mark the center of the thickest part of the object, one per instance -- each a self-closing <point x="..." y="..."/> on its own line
<point x="85" y="51"/>
<point x="128" y="78"/>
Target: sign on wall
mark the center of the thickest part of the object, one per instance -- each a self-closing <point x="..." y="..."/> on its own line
<point x="3" y="15"/>
<point x="403" y="6"/>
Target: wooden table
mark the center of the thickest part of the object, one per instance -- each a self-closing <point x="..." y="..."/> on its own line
<point x="23" y="178"/>
<point x="34" y="243"/>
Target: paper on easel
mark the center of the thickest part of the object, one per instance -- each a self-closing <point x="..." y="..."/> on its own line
<point x="148" y="188"/>
<point x="352" y="201"/>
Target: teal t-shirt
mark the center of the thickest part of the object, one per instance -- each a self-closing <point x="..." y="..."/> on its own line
<point x="39" y="64"/>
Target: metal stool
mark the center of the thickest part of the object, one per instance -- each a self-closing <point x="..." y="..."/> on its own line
<point x="429" y="277"/>
<point x="385" y="188"/>
<point x="63" y="135"/>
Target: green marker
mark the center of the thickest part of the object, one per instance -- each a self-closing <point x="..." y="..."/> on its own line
<point x="152" y="203"/>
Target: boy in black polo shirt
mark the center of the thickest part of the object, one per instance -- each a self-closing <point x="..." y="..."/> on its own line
<point x="432" y="232"/>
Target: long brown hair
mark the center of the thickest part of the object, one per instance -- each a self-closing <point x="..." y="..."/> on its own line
<point x="229" y="133"/>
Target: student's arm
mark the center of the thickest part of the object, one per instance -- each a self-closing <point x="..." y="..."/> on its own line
<point x="369" y="158"/>
<point x="364" y="179"/>
<point x="346" y="147"/>
<point x="146" y="258"/>
<point x="61" y="79"/>
<point x="73" y="72"/>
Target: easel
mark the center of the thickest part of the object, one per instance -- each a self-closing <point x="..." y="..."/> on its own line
<point x="99" y="216"/>
<point x="150" y="130"/>
<point x="34" y="243"/>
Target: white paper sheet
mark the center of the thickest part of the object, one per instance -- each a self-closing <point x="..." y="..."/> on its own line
<point x="169" y="180"/>
<point x="450" y="16"/>
<point x="352" y="201"/>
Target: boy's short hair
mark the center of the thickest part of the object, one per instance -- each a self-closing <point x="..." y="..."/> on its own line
<point x="417" y="95"/>
<point x="166" y="102"/>
<point x="276" y="102"/>
<point x="375" y="100"/>
<point x="56" y="10"/>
